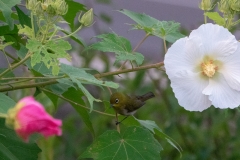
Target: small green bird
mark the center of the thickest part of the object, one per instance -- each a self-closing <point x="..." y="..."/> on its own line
<point x="128" y="105"/>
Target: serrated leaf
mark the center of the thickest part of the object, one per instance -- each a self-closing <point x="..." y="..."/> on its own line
<point x="49" y="53"/>
<point x="13" y="148"/>
<point x="135" y="143"/>
<point x="79" y="76"/>
<point x="119" y="45"/>
<point x="40" y="67"/>
<point x="216" y="18"/>
<point x="153" y="127"/>
<point x="5" y="7"/>
<point x="6" y="103"/>
<point x="162" y="29"/>
<point x="76" y="97"/>
<point x="73" y="9"/>
<point x="25" y="30"/>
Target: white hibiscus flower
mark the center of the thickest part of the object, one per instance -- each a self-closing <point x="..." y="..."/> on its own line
<point x="204" y="69"/>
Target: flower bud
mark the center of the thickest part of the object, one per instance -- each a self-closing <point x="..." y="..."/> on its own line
<point x="224" y="6"/>
<point x="62" y="8"/>
<point x="235" y="5"/>
<point x="44" y="6"/>
<point x="51" y="10"/>
<point x="29" y="116"/>
<point x="30" y="4"/>
<point x="206" y="5"/>
<point x="87" y="18"/>
<point x="38" y="9"/>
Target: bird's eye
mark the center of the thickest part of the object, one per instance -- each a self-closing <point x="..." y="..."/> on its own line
<point x="117" y="100"/>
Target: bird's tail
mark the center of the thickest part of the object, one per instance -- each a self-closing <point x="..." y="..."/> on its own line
<point x="147" y="96"/>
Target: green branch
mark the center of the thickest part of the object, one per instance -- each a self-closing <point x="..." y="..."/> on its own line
<point x="156" y="65"/>
<point x="10" y="88"/>
<point x="15" y="65"/>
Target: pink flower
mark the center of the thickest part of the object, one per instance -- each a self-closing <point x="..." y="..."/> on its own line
<point x="29" y="116"/>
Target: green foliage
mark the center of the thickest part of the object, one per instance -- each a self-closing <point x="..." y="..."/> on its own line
<point x="76" y="98"/>
<point x="119" y="45"/>
<point x="162" y="29"/>
<point x="13" y="148"/>
<point x="6" y="103"/>
<point x="75" y="7"/>
<point x="49" y="53"/>
<point x="134" y="143"/>
<point x="5" y="7"/>
<point x="216" y="18"/>
<point x="23" y="18"/>
<point x="79" y="76"/>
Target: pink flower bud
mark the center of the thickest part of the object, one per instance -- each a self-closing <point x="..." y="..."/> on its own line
<point x="29" y="116"/>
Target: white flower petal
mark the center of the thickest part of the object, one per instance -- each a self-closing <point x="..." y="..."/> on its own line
<point x="217" y="41"/>
<point x="231" y="69"/>
<point x="188" y="87"/>
<point x="184" y="54"/>
<point x="221" y="95"/>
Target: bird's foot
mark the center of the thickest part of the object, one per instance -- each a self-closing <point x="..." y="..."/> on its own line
<point x="117" y="123"/>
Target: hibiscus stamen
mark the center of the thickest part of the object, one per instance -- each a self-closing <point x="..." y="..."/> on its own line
<point x="209" y="68"/>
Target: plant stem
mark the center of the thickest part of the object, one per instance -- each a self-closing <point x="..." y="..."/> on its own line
<point x="70" y="34"/>
<point x="11" y="88"/>
<point x="33" y="28"/>
<point x="15" y="65"/>
<point x="68" y="100"/>
<point x="17" y="78"/>
<point x="205" y="17"/>
<point x="156" y="65"/>
<point x="9" y="83"/>
<point x="138" y="45"/>
<point x="165" y="45"/>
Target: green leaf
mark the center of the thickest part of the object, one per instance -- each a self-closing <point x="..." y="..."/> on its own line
<point x="5" y="7"/>
<point x="216" y="18"/>
<point x="23" y="18"/>
<point x="6" y="103"/>
<point x="163" y="29"/>
<point x="58" y="88"/>
<point x="135" y="143"/>
<point x="79" y="76"/>
<point x="52" y="97"/>
<point x="40" y="67"/>
<point x="25" y="30"/>
<point x="73" y="9"/>
<point x="153" y="127"/>
<point x="76" y="97"/>
<point x="13" y="148"/>
<point x="119" y="45"/>
<point x="11" y="36"/>
<point x="49" y="53"/>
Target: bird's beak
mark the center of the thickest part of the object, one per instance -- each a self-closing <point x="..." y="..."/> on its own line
<point x="111" y="105"/>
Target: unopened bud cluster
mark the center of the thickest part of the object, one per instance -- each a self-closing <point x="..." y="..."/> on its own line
<point x="51" y="7"/>
<point x="206" y="5"/>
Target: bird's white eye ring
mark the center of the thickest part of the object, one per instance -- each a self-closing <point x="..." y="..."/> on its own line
<point x="117" y="100"/>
